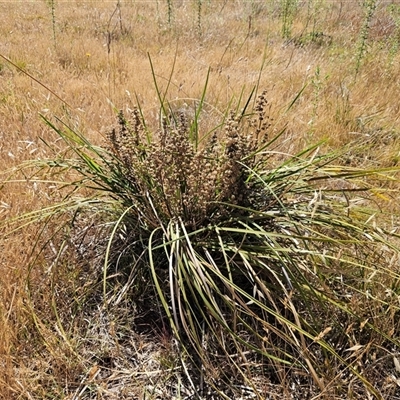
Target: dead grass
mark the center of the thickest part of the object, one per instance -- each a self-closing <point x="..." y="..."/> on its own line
<point x="99" y="63"/>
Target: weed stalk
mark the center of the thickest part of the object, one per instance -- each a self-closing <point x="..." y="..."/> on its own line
<point x="199" y="7"/>
<point x="288" y="12"/>
<point x="169" y="11"/>
<point x="369" y="8"/>
<point x="52" y="6"/>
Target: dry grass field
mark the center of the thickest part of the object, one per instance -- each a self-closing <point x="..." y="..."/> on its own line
<point x="72" y="329"/>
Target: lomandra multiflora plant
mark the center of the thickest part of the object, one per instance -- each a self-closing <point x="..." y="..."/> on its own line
<point x="264" y="266"/>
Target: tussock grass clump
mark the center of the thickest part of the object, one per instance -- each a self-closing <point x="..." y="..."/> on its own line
<point x="263" y="267"/>
<point x="196" y="256"/>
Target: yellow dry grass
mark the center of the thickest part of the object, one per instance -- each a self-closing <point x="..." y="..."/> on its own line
<point x="95" y="56"/>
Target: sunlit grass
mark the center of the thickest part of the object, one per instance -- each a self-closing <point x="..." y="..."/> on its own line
<point x="273" y="269"/>
<point x="251" y="256"/>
